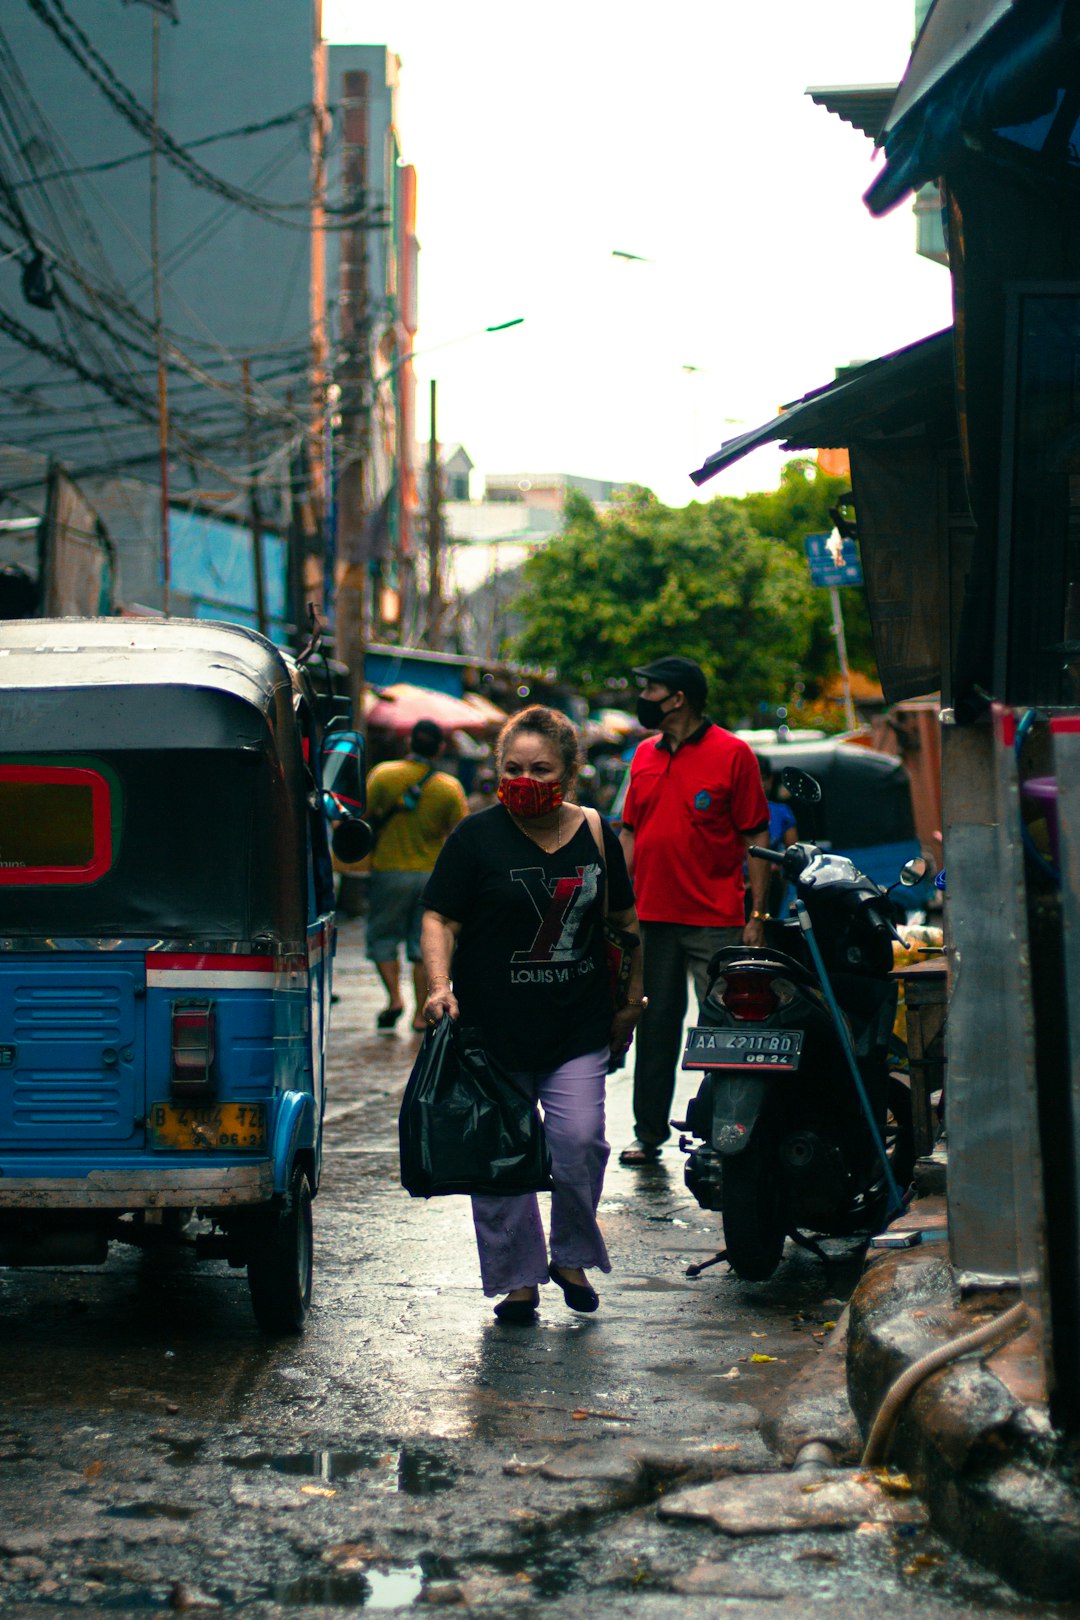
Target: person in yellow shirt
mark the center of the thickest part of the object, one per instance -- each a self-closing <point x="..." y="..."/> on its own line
<point x="412" y="808"/>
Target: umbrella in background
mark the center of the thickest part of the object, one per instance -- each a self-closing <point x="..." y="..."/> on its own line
<point x="491" y="713"/>
<point x="397" y="708"/>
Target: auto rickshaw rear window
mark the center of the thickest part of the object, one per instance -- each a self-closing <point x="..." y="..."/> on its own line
<point x="55" y="824"/>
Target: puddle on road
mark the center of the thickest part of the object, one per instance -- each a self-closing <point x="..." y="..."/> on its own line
<point x="374" y="1589"/>
<point x="411" y="1470"/>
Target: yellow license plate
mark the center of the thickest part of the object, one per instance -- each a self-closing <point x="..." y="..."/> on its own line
<point x="227" y="1126"/>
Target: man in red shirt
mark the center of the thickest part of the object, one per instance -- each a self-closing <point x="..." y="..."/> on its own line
<point x="694" y="805"/>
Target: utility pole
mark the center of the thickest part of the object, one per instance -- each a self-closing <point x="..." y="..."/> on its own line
<point x="434" y="535"/>
<point x="253" y="505"/>
<point x="318" y="500"/>
<point x="159" y="330"/>
<point x="299" y="531"/>
<point x="352" y="482"/>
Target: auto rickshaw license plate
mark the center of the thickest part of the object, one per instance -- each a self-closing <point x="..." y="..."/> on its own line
<point x="742" y="1049"/>
<point x="228" y="1126"/>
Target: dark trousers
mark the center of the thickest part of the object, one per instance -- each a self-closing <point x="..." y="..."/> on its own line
<point x="671" y="952"/>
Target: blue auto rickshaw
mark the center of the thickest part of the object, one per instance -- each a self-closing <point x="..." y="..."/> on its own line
<point x="166" y="941"/>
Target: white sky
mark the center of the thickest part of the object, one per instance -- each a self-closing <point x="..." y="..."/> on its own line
<point x="546" y="136"/>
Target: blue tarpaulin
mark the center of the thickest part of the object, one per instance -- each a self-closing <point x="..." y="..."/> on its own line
<point x="213" y="565"/>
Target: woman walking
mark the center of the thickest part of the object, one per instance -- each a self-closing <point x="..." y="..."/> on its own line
<point x="513" y="944"/>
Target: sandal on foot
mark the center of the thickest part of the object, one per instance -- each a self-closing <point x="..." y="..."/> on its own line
<point x="579" y="1296"/>
<point x="387" y="1019"/>
<point x="518" y="1312"/>
<point x="640" y="1153"/>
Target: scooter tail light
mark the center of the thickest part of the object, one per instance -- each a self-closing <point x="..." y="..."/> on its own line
<point x="784" y="991"/>
<point x="750" y="996"/>
<point x="192" y="1047"/>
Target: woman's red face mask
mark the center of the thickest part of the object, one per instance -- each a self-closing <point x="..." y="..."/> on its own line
<point x="527" y="797"/>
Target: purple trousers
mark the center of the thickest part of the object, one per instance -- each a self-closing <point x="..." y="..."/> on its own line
<point x="509" y="1232"/>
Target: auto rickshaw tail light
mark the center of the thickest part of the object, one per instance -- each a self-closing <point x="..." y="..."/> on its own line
<point x="192" y="1048"/>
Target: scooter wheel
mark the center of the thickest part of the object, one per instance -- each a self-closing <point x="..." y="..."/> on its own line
<point x="280" y="1264"/>
<point x="754" y="1222"/>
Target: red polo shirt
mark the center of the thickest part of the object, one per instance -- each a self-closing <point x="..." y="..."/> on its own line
<point x="688" y="811"/>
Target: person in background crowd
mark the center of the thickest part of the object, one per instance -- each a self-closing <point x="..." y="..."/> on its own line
<point x="693" y="807"/>
<point x="485" y="783"/>
<point x="412" y="808"/>
<point x="515" y="912"/>
<point x="782" y="831"/>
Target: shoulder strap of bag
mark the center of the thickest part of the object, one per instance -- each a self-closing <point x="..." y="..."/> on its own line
<point x="377" y="823"/>
<point x="595" y="826"/>
<point x="418" y="786"/>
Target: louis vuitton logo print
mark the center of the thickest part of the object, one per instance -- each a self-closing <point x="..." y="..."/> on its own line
<point x="561" y="906"/>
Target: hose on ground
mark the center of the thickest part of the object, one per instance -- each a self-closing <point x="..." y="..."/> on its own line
<point x="881" y="1431"/>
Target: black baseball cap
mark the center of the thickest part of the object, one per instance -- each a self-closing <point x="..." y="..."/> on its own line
<point x="680" y="674"/>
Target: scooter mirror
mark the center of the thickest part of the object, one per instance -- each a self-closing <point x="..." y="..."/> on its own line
<point x="801" y="785"/>
<point x="352" y="841"/>
<point x="913" y="871"/>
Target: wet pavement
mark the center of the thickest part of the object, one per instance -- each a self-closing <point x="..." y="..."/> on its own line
<point x="157" y="1453"/>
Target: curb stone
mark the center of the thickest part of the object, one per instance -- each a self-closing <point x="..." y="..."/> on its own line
<point x="994" y="1479"/>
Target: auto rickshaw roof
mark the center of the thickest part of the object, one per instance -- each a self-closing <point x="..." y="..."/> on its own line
<point x="198" y="672"/>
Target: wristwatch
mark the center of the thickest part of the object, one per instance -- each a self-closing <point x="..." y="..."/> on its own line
<point x="761" y="916"/>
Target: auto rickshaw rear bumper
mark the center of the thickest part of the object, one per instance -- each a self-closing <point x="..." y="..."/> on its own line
<point x="162" y="1187"/>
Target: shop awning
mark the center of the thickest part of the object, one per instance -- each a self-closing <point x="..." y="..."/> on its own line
<point x="900" y="392"/>
<point x="986" y="75"/>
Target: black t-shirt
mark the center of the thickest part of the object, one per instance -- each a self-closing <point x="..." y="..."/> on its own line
<point x="529" y="966"/>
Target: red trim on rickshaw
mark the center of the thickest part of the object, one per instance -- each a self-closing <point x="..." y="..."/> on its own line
<point x="101" y="823"/>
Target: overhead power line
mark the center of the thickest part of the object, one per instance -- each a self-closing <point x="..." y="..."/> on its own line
<point x="283" y="119"/>
<point x="80" y="48"/>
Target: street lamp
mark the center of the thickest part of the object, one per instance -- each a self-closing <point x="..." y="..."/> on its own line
<point x="466" y="337"/>
<point x="435" y="602"/>
<point x="402" y="457"/>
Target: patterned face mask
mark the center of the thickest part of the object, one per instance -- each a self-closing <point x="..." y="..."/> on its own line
<point x="527" y="798"/>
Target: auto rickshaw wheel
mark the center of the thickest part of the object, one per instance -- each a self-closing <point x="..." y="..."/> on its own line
<point x="280" y="1263"/>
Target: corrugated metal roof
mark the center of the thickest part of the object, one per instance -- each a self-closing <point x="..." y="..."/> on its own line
<point x="864" y="106"/>
<point x="893" y="394"/>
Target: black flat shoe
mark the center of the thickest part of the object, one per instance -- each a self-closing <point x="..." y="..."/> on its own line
<point x="579" y="1297"/>
<point x="387" y="1019"/>
<point x="518" y="1312"/>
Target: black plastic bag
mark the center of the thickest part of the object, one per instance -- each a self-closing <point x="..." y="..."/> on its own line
<point x="465" y="1126"/>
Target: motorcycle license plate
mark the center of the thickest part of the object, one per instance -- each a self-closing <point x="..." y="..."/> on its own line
<point x="230" y="1127"/>
<point x="743" y="1049"/>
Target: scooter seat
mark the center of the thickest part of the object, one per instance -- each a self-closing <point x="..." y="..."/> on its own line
<point x="732" y="956"/>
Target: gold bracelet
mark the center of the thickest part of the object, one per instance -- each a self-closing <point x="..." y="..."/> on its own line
<point x="438" y="978"/>
<point x="761" y="916"/>
<point x="636" y="1001"/>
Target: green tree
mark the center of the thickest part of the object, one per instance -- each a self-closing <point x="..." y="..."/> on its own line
<point x="615" y="590"/>
<point x="798" y="507"/>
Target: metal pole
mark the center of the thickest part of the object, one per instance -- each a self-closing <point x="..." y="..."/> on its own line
<point x="841" y="653"/>
<point x="162" y="378"/>
<point x="434" y="535"/>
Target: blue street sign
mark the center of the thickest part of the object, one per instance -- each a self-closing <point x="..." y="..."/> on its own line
<point x="833" y="561"/>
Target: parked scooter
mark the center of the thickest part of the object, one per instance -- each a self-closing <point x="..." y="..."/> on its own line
<point x="806" y="1132"/>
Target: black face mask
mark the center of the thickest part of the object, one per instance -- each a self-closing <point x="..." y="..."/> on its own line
<point x="650" y="712"/>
